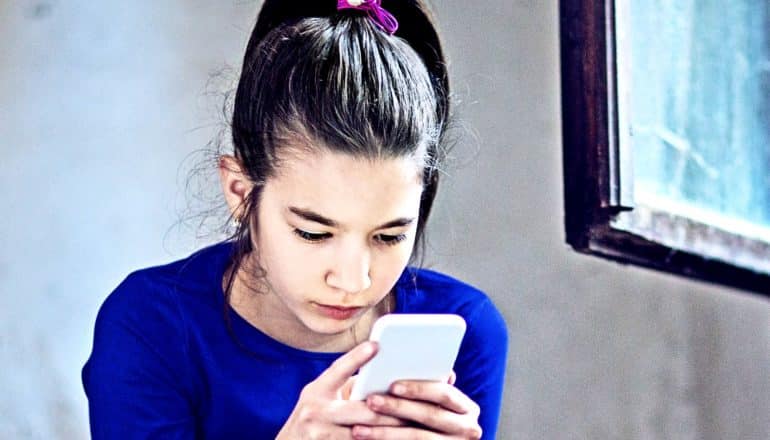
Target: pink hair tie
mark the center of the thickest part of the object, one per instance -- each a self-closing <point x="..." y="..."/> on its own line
<point x="380" y="16"/>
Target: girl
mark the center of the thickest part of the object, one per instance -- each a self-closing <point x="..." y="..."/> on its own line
<point x="337" y="131"/>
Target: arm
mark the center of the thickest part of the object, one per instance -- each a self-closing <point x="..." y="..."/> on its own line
<point x="138" y="376"/>
<point x="482" y="362"/>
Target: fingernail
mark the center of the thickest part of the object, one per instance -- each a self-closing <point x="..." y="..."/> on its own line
<point x="399" y="389"/>
<point x="362" y="431"/>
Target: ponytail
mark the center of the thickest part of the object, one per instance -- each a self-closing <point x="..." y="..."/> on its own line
<point x="416" y="26"/>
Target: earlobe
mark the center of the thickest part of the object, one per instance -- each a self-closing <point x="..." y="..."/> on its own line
<point x="236" y="186"/>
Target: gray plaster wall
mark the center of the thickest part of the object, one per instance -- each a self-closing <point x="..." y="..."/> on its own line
<point x="101" y="102"/>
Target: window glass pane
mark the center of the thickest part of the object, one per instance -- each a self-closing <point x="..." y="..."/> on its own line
<point x="699" y="108"/>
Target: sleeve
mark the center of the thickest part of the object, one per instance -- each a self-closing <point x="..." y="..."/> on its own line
<point x="481" y="364"/>
<point x="137" y="376"/>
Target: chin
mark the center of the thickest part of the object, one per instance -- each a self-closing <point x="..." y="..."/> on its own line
<point x="323" y="325"/>
<point x="326" y="326"/>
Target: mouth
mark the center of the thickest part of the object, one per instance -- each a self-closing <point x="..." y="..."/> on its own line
<point x="339" y="313"/>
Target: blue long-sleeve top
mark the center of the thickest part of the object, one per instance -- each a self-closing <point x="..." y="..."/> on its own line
<point x="165" y="364"/>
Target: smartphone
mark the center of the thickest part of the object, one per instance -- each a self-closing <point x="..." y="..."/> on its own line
<point x="411" y="347"/>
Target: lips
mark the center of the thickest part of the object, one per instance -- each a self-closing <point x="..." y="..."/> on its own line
<point x="338" y="312"/>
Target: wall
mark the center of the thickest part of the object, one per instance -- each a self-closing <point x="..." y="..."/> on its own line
<point x="102" y="102"/>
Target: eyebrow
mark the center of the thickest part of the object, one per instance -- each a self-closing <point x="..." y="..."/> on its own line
<point x="318" y="218"/>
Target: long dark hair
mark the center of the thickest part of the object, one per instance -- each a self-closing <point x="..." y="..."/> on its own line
<point x="336" y="80"/>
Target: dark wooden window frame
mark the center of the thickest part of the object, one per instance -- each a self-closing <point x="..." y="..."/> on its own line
<point x="601" y="217"/>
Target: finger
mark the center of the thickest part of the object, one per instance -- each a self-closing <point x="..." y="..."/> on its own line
<point x="443" y="394"/>
<point x="427" y="414"/>
<point x="383" y="432"/>
<point x="452" y="378"/>
<point x="350" y="412"/>
<point x="345" y="366"/>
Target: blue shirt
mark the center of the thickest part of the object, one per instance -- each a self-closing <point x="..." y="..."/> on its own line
<point x="165" y="364"/>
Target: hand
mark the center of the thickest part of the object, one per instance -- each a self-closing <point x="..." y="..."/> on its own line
<point x="322" y="411"/>
<point x="438" y="410"/>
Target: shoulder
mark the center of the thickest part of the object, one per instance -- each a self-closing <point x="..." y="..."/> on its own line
<point x="144" y="323"/>
<point x="161" y="290"/>
<point x="426" y="284"/>
<point x="153" y="310"/>
<point x="143" y="299"/>
<point x="428" y="291"/>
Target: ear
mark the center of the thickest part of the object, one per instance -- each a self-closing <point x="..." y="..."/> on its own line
<point x="235" y="184"/>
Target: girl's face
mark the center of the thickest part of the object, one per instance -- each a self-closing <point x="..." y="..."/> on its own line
<point x="334" y="234"/>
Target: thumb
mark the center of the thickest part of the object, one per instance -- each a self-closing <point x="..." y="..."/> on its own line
<point x="336" y="376"/>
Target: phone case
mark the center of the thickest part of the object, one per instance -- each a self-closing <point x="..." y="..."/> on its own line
<point x="411" y="346"/>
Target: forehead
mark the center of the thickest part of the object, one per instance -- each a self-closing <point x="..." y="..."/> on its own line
<point x="347" y="188"/>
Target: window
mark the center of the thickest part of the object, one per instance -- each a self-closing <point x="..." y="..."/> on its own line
<point x="666" y="107"/>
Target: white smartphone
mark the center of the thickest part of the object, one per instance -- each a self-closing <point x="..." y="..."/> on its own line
<point x="411" y="347"/>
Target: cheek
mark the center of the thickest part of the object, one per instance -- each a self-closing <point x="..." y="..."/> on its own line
<point x="390" y="264"/>
<point x="288" y="264"/>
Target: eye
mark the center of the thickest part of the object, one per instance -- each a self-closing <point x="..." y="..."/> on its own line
<point x="390" y="240"/>
<point x="312" y="237"/>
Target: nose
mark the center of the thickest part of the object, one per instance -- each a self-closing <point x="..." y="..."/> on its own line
<point x="349" y="271"/>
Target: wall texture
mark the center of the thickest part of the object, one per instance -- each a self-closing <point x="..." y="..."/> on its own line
<point x="102" y="102"/>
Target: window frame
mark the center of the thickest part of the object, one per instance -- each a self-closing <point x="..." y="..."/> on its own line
<point x="601" y="216"/>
